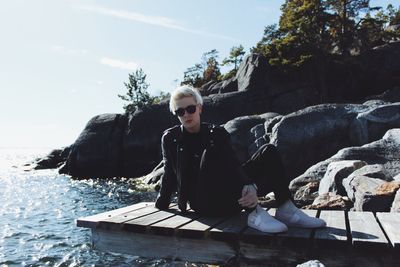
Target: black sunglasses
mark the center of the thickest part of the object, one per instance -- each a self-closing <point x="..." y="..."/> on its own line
<point x="181" y="111"/>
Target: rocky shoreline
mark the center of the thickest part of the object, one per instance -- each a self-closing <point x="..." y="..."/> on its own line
<point x="339" y="155"/>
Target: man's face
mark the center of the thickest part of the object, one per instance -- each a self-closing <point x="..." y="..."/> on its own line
<point x="191" y="122"/>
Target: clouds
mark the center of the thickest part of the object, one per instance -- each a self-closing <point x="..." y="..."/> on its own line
<point x="115" y="63"/>
<point x="138" y="17"/>
<point x="159" y="21"/>
<point x="111" y="62"/>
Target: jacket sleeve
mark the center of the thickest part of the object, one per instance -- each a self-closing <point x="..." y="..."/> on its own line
<point x="168" y="179"/>
<point x="231" y="154"/>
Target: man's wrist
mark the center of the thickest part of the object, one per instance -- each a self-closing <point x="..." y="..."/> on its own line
<point x="255" y="186"/>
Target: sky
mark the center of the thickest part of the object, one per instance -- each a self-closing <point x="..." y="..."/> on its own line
<point x="63" y="62"/>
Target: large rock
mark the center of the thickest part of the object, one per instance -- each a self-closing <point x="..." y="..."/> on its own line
<point x="360" y="185"/>
<point x="372" y="124"/>
<point x="247" y="133"/>
<point x="306" y="194"/>
<point x="226" y="86"/>
<point x="54" y="159"/>
<point x="313" y="174"/>
<point x="372" y="171"/>
<point x="330" y="201"/>
<point x="254" y="73"/>
<point x="313" y="134"/>
<point x="377" y="199"/>
<point x="98" y="150"/>
<point x="378" y="67"/>
<point x="324" y="129"/>
<point x="336" y="172"/>
<point x="385" y="152"/>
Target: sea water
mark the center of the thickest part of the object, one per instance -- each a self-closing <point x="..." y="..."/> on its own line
<point x="38" y="210"/>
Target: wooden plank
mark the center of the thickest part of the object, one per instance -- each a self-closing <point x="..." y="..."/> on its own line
<point x="121" y="218"/>
<point x="391" y="225"/>
<point x="269" y="255"/>
<point x="143" y="223"/>
<point x="93" y="220"/>
<point x="199" y="227"/>
<point x="365" y="230"/>
<point x="335" y="231"/>
<point x="297" y="232"/>
<point x="230" y="228"/>
<point x="296" y="236"/>
<point x="162" y="247"/>
<point x="169" y="225"/>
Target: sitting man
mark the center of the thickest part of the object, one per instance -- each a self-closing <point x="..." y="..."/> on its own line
<point x="200" y="164"/>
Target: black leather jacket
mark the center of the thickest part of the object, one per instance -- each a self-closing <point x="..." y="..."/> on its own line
<point x="219" y="171"/>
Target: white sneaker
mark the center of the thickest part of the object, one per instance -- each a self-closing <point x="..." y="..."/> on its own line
<point x="261" y="220"/>
<point x="290" y="215"/>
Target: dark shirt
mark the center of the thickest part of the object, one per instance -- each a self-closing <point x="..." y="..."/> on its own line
<point x="194" y="149"/>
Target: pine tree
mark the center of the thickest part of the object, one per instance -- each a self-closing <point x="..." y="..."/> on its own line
<point x="201" y="73"/>
<point x="137" y="95"/>
<point x="210" y="63"/>
<point x="302" y="33"/>
<point x="345" y="22"/>
<point x="235" y="58"/>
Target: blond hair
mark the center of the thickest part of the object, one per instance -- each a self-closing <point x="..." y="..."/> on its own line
<point x="181" y="92"/>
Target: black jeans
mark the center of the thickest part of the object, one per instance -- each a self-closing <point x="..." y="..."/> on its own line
<point x="266" y="169"/>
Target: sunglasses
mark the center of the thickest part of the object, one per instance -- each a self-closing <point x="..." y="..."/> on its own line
<point x="189" y="109"/>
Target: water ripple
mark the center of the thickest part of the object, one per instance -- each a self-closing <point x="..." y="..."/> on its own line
<point x="39" y="210"/>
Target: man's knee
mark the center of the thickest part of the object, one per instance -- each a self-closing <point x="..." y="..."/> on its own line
<point x="266" y="151"/>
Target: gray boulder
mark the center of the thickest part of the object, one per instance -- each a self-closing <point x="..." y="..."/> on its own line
<point x="373" y="171"/>
<point x="360" y="185"/>
<point x="254" y="73"/>
<point x="316" y="133"/>
<point x="313" y="174"/>
<point x="226" y="86"/>
<point x="205" y="88"/>
<point x="306" y="194"/>
<point x="98" y="151"/>
<point x="241" y="136"/>
<point x="379" y="198"/>
<point x="370" y="125"/>
<point x="54" y="159"/>
<point x="330" y="201"/>
<point x="335" y="173"/>
<point x="247" y="133"/>
<point x="385" y="152"/>
<point x="313" y="134"/>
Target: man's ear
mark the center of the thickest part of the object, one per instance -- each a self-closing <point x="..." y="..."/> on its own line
<point x="200" y="109"/>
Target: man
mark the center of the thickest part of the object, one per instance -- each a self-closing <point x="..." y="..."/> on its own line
<point x="200" y="164"/>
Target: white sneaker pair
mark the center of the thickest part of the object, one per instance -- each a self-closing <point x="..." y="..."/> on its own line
<point x="286" y="215"/>
<point x="289" y="214"/>
<point x="261" y="220"/>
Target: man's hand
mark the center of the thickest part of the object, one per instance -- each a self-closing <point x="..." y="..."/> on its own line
<point x="249" y="197"/>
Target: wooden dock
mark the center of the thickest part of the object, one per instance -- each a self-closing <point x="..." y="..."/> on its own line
<point x="350" y="238"/>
